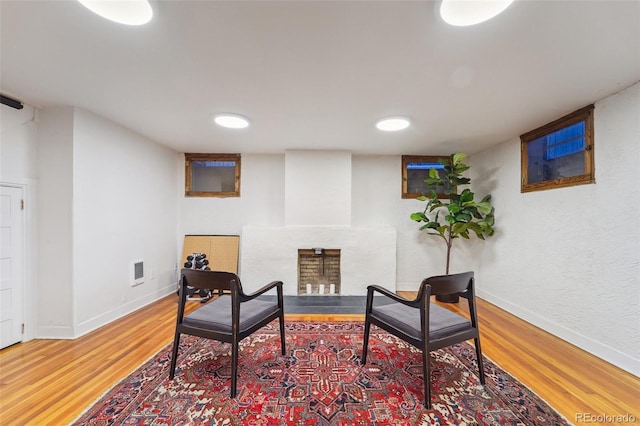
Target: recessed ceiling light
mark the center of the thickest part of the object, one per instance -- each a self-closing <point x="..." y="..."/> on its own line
<point x="470" y="12"/>
<point x="391" y="124"/>
<point x="128" y="12"/>
<point x="232" y="121"/>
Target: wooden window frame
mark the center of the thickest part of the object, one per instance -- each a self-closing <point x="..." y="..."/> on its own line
<point x="588" y="177"/>
<point x="406" y="159"/>
<point x="189" y="158"/>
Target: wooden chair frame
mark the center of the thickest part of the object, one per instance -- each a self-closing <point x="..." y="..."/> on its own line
<point x="424" y="335"/>
<point x="212" y="323"/>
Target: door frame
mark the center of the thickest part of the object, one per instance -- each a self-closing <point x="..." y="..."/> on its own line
<point x="27" y="277"/>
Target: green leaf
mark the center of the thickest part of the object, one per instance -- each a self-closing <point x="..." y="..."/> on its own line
<point x="458" y="157"/>
<point x="421" y="198"/>
<point x="453" y="208"/>
<point x="433" y="182"/>
<point x="476" y="214"/>
<point x="430" y="225"/>
<point x="466" y="196"/>
<point x="463" y="217"/>
<point x="459" y="181"/>
<point x="434" y="205"/>
<point x="459" y="227"/>
<point x="442" y="229"/>
<point x="484" y="207"/>
<point x="460" y="168"/>
<point x="419" y="217"/>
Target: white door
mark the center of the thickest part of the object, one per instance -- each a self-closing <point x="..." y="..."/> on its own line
<point x="11" y="274"/>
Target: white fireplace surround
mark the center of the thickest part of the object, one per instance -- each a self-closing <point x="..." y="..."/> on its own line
<point x="368" y="256"/>
<point x="317" y="213"/>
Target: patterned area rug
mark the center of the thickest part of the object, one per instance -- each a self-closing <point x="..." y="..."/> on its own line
<point x="319" y="381"/>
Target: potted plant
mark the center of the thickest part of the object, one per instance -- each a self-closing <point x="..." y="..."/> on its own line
<point x="458" y="217"/>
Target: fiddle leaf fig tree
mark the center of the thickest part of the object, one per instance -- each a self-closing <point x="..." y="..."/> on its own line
<point x="460" y="216"/>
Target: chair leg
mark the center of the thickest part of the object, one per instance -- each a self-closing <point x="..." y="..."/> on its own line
<point x="479" y="358"/>
<point x="426" y="372"/>
<point x="174" y="355"/>
<point x="367" y="327"/>
<point x="234" y="367"/>
<point x="282" y="341"/>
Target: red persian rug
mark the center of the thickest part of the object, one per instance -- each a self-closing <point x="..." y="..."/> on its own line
<point x="319" y="382"/>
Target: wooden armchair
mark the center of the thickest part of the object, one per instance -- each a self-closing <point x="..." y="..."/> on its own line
<point x="228" y="318"/>
<point x="424" y="324"/>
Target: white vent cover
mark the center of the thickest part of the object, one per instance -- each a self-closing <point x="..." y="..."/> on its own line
<point x="137" y="272"/>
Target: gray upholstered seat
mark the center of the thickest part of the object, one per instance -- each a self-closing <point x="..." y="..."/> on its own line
<point x="216" y="315"/>
<point x="442" y="322"/>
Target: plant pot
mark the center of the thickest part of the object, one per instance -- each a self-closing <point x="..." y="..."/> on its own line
<point x="448" y="298"/>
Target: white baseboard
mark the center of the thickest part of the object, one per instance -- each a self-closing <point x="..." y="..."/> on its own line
<point x="594" y="347"/>
<point x="54" y="332"/>
<point x="125" y="309"/>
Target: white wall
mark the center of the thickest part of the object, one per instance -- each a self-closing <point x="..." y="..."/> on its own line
<point x="18" y="167"/>
<point x="568" y="259"/>
<point x="317" y="188"/>
<point x="98" y="196"/>
<point x="124" y="208"/>
<point x="261" y="201"/>
<point x="55" y="224"/>
<point x="18" y="144"/>
<point x="377" y="201"/>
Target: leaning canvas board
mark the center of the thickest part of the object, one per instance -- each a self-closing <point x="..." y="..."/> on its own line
<point x="221" y="250"/>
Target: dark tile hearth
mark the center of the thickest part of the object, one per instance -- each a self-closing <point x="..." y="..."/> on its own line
<point x="323" y="304"/>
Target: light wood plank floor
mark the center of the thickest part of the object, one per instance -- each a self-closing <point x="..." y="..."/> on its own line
<point x="50" y="382"/>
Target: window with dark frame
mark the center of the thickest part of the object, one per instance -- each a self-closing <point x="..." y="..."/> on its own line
<point x="212" y="175"/>
<point x="415" y="169"/>
<point x="559" y="154"/>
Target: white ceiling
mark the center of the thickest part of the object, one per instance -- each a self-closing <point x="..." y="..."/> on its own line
<point x="319" y="74"/>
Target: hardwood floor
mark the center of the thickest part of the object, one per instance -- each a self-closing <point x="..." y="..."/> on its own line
<point x="50" y="382"/>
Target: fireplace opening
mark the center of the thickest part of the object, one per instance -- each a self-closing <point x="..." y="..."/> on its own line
<point x="318" y="271"/>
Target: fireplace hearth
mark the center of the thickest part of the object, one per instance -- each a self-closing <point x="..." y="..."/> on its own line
<point x="318" y="271"/>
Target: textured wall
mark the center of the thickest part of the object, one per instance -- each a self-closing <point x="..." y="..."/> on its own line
<point x="568" y="260"/>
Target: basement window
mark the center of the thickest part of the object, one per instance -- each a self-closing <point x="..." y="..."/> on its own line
<point x="415" y="169"/>
<point x="559" y="154"/>
<point x="212" y="175"/>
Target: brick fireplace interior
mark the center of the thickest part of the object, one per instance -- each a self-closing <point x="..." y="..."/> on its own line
<point x="320" y="268"/>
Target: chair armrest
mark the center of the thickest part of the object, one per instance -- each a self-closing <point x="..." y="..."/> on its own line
<point x="389" y="294"/>
<point x="270" y="286"/>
